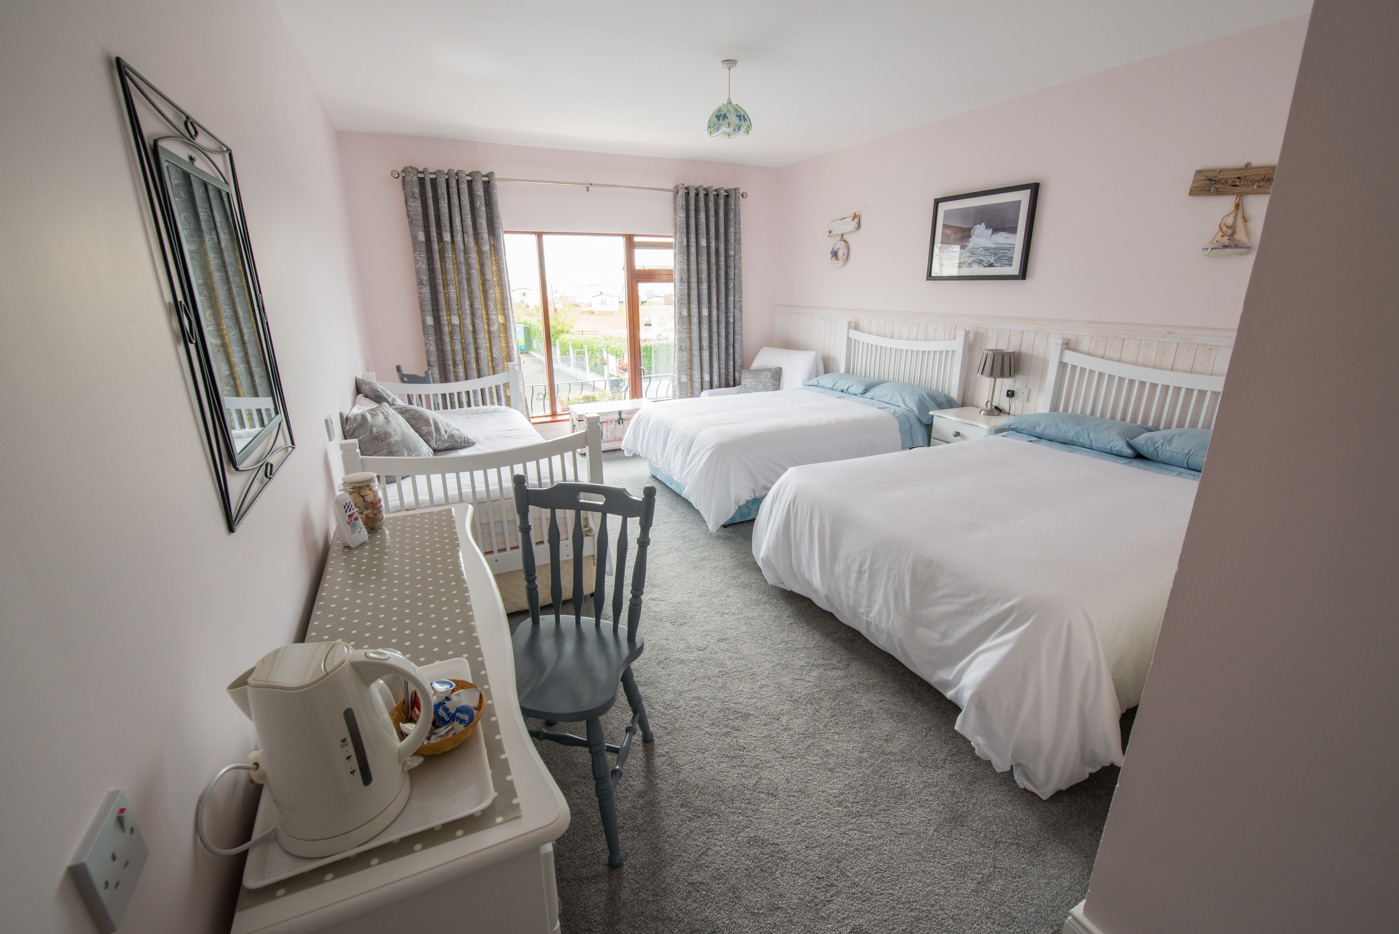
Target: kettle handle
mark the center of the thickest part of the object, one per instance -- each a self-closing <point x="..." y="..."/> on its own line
<point x="375" y="664"/>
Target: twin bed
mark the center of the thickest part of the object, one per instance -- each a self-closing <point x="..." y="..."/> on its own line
<point x="1026" y="580"/>
<point x="491" y="411"/>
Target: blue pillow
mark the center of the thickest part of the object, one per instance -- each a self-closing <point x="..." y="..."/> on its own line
<point x="1085" y="431"/>
<point x="1179" y="447"/>
<point x="920" y="401"/>
<point x="847" y="383"/>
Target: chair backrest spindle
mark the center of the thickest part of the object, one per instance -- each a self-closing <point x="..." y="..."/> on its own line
<point x="577" y="500"/>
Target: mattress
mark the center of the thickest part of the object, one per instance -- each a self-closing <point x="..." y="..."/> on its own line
<point x="1024" y="582"/>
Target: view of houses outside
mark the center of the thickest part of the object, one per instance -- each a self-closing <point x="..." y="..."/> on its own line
<point x="588" y="318"/>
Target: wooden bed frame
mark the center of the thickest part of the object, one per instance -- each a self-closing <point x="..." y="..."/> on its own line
<point x="1127" y="392"/>
<point x="930" y="364"/>
<point x="485" y="479"/>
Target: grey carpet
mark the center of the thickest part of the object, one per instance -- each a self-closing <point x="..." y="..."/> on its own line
<point x="801" y="779"/>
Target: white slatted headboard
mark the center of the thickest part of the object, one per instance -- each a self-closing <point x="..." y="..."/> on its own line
<point x="930" y="364"/>
<point x="1088" y="385"/>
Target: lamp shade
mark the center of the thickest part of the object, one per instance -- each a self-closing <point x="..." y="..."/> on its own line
<point x="997" y="364"/>
<point x="729" y="120"/>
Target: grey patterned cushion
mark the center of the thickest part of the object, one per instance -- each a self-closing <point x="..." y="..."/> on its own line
<point x="440" y="434"/>
<point x="768" y="379"/>
<point x="381" y="431"/>
<point x="367" y="387"/>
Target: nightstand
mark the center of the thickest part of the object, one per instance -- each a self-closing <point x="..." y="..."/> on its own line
<point x="953" y="425"/>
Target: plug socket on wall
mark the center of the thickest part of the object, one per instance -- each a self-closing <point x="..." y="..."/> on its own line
<point x="109" y="861"/>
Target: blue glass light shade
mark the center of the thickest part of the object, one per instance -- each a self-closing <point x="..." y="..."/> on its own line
<point x="729" y="120"/>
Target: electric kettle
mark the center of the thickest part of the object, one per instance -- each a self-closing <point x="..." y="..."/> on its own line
<point x="334" y="763"/>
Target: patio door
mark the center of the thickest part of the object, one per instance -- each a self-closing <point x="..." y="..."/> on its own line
<point x="595" y="317"/>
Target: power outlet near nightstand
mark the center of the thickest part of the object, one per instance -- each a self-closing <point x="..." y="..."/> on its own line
<point x="1019" y="397"/>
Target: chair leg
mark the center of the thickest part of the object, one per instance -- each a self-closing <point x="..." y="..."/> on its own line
<point x="638" y="708"/>
<point x="602" y="778"/>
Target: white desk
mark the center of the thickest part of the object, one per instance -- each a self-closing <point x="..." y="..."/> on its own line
<point x="492" y="872"/>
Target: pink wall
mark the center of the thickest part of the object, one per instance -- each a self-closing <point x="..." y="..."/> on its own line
<point x="379" y="224"/>
<point x="1258" y="789"/>
<point x="127" y="605"/>
<point x="1116" y="238"/>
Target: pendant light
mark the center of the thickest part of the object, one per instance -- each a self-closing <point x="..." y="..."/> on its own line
<point x="729" y="119"/>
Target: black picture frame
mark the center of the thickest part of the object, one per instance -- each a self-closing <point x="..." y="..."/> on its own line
<point x="245" y="425"/>
<point x="982" y="235"/>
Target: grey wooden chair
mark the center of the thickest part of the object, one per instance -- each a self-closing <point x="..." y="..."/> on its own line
<point x="413" y="377"/>
<point x="568" y="670"/>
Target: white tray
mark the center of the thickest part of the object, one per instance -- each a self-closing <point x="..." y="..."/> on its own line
<point x="444" y="788"/>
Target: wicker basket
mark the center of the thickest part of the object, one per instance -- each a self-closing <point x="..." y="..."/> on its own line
<point x="456" y="739"/>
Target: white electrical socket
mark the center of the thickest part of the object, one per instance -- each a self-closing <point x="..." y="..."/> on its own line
<point x="109" y="861"/>
<point x="1021" y="398"/>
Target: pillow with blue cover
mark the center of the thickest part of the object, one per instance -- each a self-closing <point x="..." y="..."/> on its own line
<point x="1085" y="431"/>
<point x="919" y="400"/>
<point x="848" y="383"/>
<point x="1179" y="447"/>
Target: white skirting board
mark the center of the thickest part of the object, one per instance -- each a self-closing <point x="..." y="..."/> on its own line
<point x="1078" y="923"/>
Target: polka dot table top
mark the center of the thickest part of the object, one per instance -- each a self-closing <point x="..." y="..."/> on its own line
<point x="404" y="590"/>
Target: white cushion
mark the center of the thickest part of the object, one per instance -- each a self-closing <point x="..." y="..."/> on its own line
<point x="798" y="366"/>
<point x="721" y="391"/>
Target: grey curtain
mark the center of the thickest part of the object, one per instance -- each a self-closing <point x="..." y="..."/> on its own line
<point x="209" y="241"/>
<point x="463" y="286"/>
<point x="708" y="289"/>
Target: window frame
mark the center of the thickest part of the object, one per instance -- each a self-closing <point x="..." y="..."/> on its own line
<point x="634" y="277"/>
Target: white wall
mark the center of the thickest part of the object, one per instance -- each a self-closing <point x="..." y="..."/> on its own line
<point x="127" y="605"/>
<point x="1258" y="789"/>
<point x="379" y="223"/>
<point x="1115" y="238"/>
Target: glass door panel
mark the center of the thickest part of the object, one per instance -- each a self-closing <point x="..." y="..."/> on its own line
<point x="656" y="304"/>
<point x="587" y="317"/>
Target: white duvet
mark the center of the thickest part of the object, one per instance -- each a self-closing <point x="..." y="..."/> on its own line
<point x="726" y="450"/>
<point x="1026" y="584"/>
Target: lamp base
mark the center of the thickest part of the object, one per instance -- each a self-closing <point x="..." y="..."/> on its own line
<point x="992" y="409"/>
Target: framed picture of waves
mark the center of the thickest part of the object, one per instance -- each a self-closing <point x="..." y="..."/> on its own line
<point x="983" y="234"/>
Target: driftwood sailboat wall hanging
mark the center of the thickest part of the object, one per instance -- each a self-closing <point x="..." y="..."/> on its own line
<point x="1231" y="239"/>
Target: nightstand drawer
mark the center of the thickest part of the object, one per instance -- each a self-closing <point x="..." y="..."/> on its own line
<point x="947" y="431"/>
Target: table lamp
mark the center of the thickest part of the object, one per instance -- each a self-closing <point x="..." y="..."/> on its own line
<point x="995" y="365"/>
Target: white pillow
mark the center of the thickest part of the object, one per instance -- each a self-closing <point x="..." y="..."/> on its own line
<point x="798" y="366"/>
<point x="362" y="403"/>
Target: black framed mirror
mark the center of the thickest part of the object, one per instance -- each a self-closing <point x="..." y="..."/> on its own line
<point x="197" y="209"/>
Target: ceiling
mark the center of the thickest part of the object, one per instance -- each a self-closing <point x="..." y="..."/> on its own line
<point x="638" y="77"/>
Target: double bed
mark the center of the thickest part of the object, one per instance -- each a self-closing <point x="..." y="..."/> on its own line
<point x="1022" y="578"/>
<point x="723" y="453"/>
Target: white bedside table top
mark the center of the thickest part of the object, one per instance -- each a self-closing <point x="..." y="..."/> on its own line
<point x="971" y="415"/>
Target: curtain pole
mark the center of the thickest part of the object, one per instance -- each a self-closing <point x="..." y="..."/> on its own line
<point x="549" y="181"/>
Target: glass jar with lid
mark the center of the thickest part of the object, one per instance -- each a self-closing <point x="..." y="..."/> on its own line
<point x="364" y="493"/>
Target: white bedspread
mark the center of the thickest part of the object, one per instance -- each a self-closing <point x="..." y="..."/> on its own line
<point x="1026" y="584"/>
<point x="726" y="450"/>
